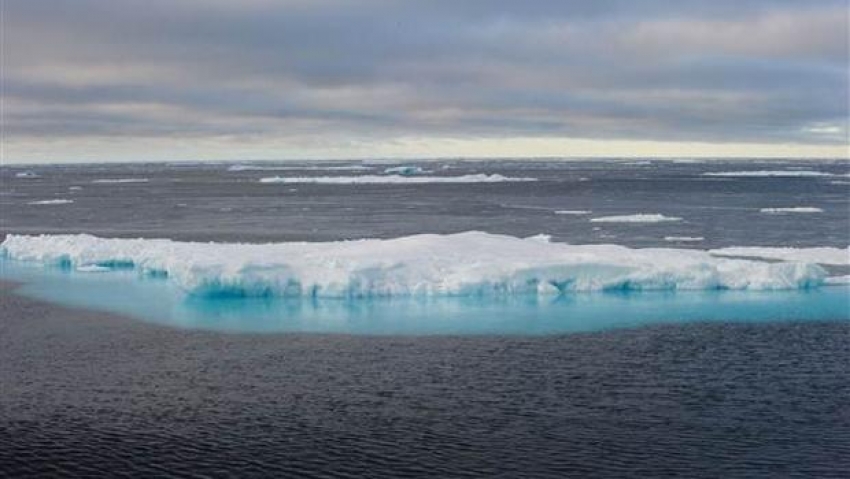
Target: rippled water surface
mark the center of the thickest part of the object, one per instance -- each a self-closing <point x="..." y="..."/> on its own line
<point x="210" y="202"/>
<point x="87" y="394"/>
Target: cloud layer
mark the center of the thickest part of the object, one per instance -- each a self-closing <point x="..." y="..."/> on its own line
<point x="329" y="73"/>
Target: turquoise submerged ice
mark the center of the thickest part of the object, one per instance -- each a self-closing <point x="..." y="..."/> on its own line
<point x="428" y="265"/>
<point x="424" y="284"/>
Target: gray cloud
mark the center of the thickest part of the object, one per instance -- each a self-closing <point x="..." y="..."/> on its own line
<point x="721" y="71"/>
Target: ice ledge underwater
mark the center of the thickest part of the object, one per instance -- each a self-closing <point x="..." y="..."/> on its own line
<point x="466" y="283"/>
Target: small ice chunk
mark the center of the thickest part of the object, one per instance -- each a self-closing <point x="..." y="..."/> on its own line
<point x="405" y="170"/>
<point x="637" y="218"/>
<point x="796" y="209"/>
<point x="51" y="202"/>
<point x="121" y="180"/>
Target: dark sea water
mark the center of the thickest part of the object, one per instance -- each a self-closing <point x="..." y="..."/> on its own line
<point x="83" y="393"/>
<point x="91" y="395"/>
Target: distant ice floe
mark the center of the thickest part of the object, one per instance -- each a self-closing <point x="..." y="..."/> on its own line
<point x="393" y="179"/>
<point x="75" y="188"/>
<point x="684" y="239"/>
<point x="573" y="212"/>
<point x="770" y="173"/>
<point x="27" y="174"/>
<point x="406" y="170"/>
<point x="121" y="180"/>
<point x="831" y="256"/>
<point x="299" y="168"/>
<point x="796" y="209"/>
<point x="638" y="218"/>
<point x="464" y="264"/>
<point x="51" y="202"/>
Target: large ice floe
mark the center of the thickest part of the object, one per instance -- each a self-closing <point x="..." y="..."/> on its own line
<point x="393" y="179"/>
<point x="463" y="264"/>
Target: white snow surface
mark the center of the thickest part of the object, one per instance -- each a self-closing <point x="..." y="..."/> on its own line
<point x="462" y="264"/>
<point x="822" y="255"/>
<point x="377" y="179"/>
<point x="795" y="209"/>
<point x="51" y="202"/>
<point x="684" y="239"/>
<point x="638" y="218"/>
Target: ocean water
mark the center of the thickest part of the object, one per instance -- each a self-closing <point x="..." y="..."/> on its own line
<point x="208" y="202"/>
<point x="670" y="358"/>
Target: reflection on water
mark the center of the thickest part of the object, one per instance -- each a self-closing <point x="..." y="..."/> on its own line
<point x="156" y="300"/>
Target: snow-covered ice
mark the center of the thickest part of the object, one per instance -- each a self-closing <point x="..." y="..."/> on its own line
<point x="823" y="255"/>
<point x="405" y="170"/>
<point x="51" y="202"/>
<point x="795" y="209"/>
<point x="637" y="218"/>
<point x="463" y="264"/>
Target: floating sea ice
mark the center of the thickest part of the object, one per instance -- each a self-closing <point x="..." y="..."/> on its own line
<point x="637" y="218"/>
<point x="463" y="264"/>
<point x="405" y="170"/>
<point x="121" y="180"/>
<point x="796" y="209"/>
<point x="51" y="202"/>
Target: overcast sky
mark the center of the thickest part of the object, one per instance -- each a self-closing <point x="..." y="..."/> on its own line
<point x="252" y="79"/>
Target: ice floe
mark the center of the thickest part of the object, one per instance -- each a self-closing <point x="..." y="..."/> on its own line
<point x="463" y="264"/>
<point x="637" y="218"/>
<point x="51" y="202"/>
